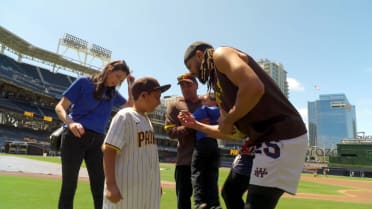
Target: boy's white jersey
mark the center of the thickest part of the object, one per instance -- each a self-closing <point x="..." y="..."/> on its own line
<point x="137" y="161"/>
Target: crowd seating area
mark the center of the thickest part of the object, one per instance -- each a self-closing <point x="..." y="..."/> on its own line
<point x="34" y="78"/>
<point x="10" y="133"/>
<point x="21" y="106"/>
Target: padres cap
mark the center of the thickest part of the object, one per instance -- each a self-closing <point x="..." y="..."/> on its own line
<point x="186" y="77"/>
<point x="147" y="84"/>
<point x="198" y="45"/>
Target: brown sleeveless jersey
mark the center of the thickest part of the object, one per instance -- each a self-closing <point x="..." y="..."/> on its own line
<point x="186" y="139"/>
<point x="273" y="118"/>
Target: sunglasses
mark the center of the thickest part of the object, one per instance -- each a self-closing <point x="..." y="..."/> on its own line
<point x="185" y="76"/>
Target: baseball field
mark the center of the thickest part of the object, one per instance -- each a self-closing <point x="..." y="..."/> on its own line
<point x="32" y="190"/>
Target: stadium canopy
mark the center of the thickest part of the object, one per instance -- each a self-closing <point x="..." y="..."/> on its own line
<point x="22" y="47"/>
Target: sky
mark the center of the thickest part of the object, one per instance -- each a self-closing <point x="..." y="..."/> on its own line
<point x="321" y="43"/>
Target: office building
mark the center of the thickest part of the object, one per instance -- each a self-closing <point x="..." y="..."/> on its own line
<point x="331" y="119"/>
<point x="277" y="73"/>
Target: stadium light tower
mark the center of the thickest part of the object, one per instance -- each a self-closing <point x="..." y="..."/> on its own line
<point x="100" y="52"/>
<point x="84" y="50"/>
<point x="72" y="42"/>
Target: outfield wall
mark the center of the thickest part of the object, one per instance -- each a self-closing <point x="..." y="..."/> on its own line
<point x="352" y="155"/>
<point x="354" y="158"/>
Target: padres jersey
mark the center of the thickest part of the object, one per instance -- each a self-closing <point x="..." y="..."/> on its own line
<point x="272" y="118"/>
<point x="137" y="163"/>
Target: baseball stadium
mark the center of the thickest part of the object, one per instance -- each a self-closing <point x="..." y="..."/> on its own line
<point x="32" y="81"/>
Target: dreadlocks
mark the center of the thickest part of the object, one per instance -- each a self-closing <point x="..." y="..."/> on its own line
<point x="207" y="72"/>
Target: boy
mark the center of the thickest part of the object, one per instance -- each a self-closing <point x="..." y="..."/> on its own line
<point x="131" y="161"/>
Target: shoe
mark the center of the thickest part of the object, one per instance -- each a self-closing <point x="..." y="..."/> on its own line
<point x="201" y="206"/>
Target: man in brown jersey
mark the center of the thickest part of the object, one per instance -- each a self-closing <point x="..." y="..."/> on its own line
<point x="189" y="101"/>
<point x="254" y="106"/>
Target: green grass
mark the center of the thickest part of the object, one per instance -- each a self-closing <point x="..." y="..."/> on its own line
<point x="291" y="203"/>
<point x="318" y="188"/>
<point x="19" y="192"/>
<point x="168" y="199"/>
<point x="344" y="177"/>
<point x="167" y="173"/>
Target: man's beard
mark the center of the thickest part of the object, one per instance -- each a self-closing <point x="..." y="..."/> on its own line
<point x="200" y="78"/>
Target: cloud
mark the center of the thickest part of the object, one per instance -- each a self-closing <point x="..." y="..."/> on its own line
<point x="295" y="85"/>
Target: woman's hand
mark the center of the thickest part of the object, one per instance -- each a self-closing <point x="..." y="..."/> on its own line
<point x="77" y="129"/>
<point x="130" y="79"/>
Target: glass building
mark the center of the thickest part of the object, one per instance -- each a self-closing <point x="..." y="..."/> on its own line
<point x="331" y="119"/>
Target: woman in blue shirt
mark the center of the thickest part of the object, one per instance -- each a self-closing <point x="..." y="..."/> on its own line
<point x="85" y="109"/>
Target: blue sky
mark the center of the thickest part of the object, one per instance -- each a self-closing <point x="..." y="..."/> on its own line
<point x="325" y="43"/>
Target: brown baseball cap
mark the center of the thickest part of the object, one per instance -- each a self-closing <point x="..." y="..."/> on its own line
<point x="197" y="45"/>
<point x="147" y="84"/>
<point x="186" y="77"/>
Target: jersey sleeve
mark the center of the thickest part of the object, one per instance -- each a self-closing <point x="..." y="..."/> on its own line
<point x="115" y="137"/>
<point x="171" y="120"/>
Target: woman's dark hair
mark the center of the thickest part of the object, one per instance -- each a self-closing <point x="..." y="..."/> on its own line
<point x="103" y="92"/>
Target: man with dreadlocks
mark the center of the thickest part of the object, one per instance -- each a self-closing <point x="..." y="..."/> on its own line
<point x="254" y="106"/>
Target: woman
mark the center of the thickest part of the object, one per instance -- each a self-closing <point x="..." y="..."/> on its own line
<point x="90" y="101"/>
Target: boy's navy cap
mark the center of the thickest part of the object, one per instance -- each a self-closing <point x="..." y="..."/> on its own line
<point x="190" y="51"/>
<point x="147" y="84"/>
